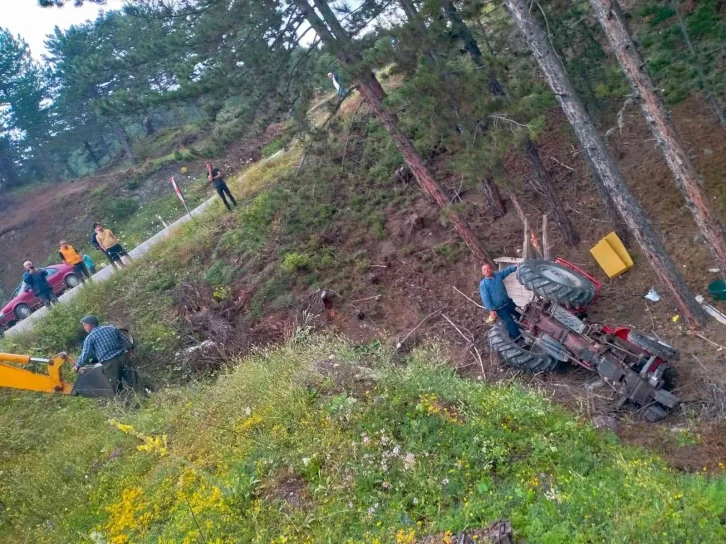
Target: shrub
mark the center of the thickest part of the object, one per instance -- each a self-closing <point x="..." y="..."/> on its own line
<point x="219" y="274"/>
<point x="118" y="209"/>
<point x="296" y="261"/>
<point x="273" y="147"/>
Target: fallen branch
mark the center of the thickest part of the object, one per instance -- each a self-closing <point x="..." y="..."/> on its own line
<point x="709" y="341"/>
<point x="472" y="348"/>
<point x="376" y="297"/>
<point x="470" y="340"/>
<point x="424" y="320"/>
<point x="467" y="298"/>
<point x="563" y="164"/>
<point x="312" y="141"/>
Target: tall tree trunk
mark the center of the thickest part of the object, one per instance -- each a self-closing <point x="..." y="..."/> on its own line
<point x="424" y="177"/>
<point x="661" y="125"/>
<point x="493" y="197"/>
<point x="46" y="163"/>
<point x="91" y="154"/>
<point x="462" y="32"/>
<point x="371" y="91"/>
<point x="707" y="89"/>
<point x="123" y="138"/>
<point x="542" y="176"/>
<point x="601" y="161"/>
<point x="547" y="188"/>
<point x="409" y="9"/>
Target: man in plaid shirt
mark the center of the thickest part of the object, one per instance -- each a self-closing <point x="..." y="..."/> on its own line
<point x="112" y="350"/>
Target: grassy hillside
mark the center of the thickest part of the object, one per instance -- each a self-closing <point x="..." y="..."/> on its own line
<point x="323" y="441"/>
<point x="310" y="442"/>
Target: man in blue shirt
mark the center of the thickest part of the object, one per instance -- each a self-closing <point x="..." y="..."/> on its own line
<point x="495" y="298"/>
<point x="110" y="348"/>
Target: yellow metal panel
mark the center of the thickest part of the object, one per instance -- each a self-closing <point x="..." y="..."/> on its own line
<point x="18" y="378"/>
<point x="619" y="248"/>
<point x="608" y="259"/>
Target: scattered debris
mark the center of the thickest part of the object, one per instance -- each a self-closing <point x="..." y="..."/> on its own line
<point x="203" y="346"/>
<point x="653" y="295"/>
<point x="675" y="318"/>
<point x="714" y="270"/>
<point x="710" y="310"/>
<point x="499" y="532"/>
<point x="605" y="422"/>
<point x="403" y="175"/>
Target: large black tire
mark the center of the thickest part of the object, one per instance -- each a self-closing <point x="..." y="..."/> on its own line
<point x="653" y="346"/>
<point x="557" y="283"/>
<point x="516" y="356"/>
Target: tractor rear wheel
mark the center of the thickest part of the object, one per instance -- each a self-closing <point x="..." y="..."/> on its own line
<point x="556" y="283"/>
<point x="653" y="346"/>
<point x="517" y="356"/>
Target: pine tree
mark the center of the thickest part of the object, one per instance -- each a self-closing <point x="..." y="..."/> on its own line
<point x="335" y="37"/>
<point x="611" y="18"/>
<point x="601" y="161"/>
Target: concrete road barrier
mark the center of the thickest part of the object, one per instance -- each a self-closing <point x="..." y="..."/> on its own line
<point x="102" y="275"/>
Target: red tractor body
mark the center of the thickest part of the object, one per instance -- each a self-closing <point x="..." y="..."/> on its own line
<point x="634" y="365"/>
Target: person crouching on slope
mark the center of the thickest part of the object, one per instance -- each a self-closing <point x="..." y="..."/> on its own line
<point x="495" y="298"/>
<point x="72" y="258"/>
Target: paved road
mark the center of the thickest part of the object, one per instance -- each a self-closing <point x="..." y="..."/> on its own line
<point x="139" y="251"/>
<point x="105" y="273"/>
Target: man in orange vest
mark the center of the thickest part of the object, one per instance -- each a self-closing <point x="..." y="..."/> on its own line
<point x="74" y="259"/>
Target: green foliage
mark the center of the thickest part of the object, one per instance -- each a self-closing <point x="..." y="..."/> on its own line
<point x="332" y="443"/>
<point x="219" y="274"/>
<point x="118" y="209"/>
<point x="293" y="262"/>
<point x="671" y="64"/>
<point x="132" y="184"/>
<point x="273" y="147"/>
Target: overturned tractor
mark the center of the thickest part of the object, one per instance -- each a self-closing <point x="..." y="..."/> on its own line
<point x="556" y="332"/>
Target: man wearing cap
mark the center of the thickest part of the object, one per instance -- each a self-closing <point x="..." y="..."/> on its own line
<point x="110" y="348"/>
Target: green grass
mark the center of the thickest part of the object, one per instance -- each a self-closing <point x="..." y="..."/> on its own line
<point x="292" y="445"/>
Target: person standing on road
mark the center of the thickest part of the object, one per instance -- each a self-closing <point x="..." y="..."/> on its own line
<point x="73" y="259"/>
<point x="94" y="242"/>
<point x="113" y="350"/>
<point x="495" y="298"/>
<point x="89" y="263"/>
<point x="36" y="281"/>
<point x="215" y="178"/>
<point x="110" y="244"/>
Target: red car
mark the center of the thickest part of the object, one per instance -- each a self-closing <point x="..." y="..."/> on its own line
<point x="60" y="277"/>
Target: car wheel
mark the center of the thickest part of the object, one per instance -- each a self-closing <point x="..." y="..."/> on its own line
<point x="22" y="311"/>
<point x="72" y="281"/>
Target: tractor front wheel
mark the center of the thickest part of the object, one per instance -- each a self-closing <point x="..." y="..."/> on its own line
<point x="517" y="356"/>
<point x="556" y="283"/>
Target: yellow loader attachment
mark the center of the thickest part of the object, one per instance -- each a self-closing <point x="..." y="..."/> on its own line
<point x="18" y="378"/>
